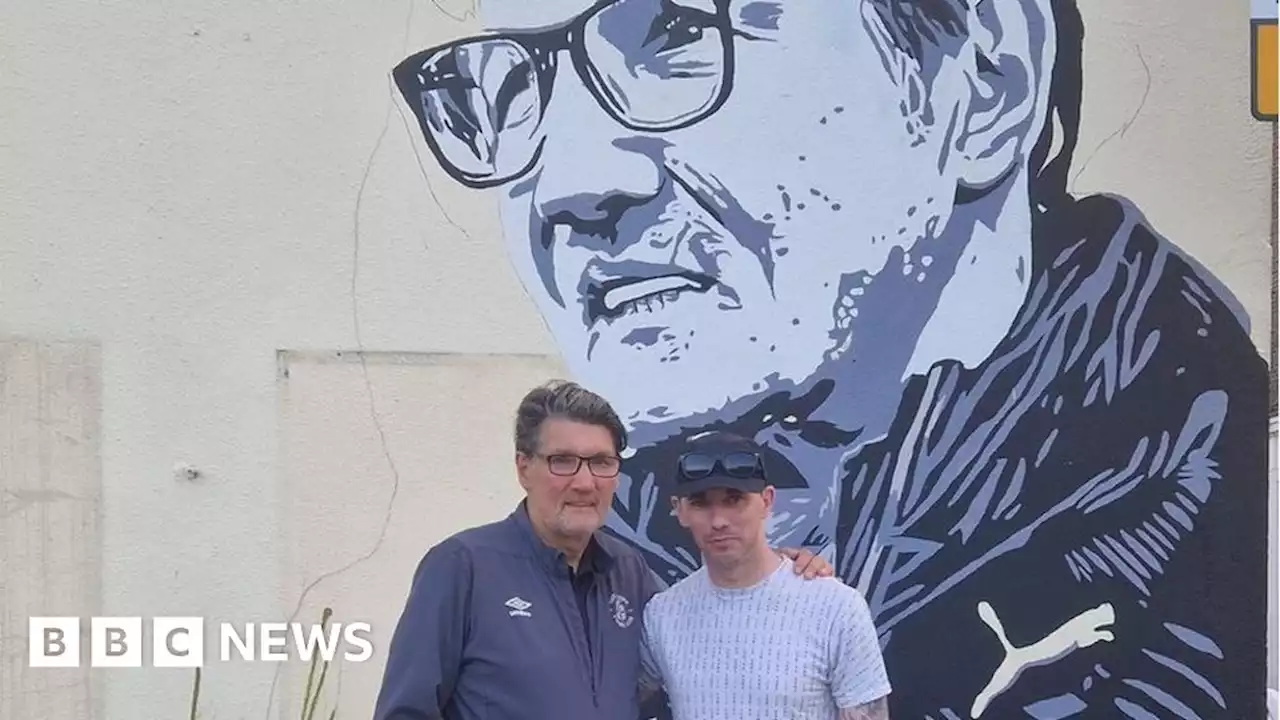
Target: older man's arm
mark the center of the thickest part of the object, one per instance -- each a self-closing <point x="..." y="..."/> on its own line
<point x="807" y="563"/>
<point x="650" y="681"/>
<point x="424" y="660"/>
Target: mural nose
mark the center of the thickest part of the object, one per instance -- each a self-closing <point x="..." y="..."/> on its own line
<point x="590" y="189"/>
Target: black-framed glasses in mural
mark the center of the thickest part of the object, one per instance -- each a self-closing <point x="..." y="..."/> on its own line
<point x="652" y="65"/>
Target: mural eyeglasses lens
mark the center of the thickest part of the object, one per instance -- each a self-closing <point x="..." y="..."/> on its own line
<point x="652" y="65"/>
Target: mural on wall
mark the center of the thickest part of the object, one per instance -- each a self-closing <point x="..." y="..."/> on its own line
<point x="1027" y="426"/>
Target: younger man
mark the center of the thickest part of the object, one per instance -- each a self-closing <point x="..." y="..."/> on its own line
<point x="743" y="637"/>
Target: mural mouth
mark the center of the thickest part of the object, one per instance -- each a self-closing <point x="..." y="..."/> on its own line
<point x="618" y="297"/>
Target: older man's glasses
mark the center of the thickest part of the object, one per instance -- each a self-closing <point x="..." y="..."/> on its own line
<point x="605" y="466"/>
<point x="652" y="65"/>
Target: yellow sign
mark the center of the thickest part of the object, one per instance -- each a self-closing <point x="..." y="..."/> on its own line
<point x="1265" y="77"/>
<point x="1266" y="61"/>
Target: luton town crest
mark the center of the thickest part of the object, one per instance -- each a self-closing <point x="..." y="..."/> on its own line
<point x="621" y="610"/>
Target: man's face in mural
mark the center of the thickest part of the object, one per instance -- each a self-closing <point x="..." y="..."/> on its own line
<point x="701" y="196"/>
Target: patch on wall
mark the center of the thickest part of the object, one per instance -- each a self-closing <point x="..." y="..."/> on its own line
<point x="380" y="458"/>
<point x="50" y="516"/>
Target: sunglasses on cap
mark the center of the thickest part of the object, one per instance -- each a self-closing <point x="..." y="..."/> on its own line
<point x="700" y="464"/>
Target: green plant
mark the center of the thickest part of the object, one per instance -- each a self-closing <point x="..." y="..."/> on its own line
<point x="310" y="697"/>
<point x="195" y="694"/>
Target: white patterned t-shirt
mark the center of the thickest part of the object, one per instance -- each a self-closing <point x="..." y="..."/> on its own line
<point x="783" y="648"/>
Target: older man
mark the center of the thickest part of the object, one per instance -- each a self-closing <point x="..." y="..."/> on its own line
<point x="535" y="615"/>
<point x="1015" y="419"/>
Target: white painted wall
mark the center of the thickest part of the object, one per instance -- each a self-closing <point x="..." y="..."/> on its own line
<point x="196" y="186"/>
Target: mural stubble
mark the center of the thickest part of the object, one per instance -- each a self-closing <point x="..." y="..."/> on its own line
<point x="1028" y="427"/>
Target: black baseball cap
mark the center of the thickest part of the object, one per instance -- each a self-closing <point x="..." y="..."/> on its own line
<point x="720" y="460"/>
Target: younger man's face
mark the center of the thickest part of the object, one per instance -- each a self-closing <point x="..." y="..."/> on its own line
<point x="727" y="524"/>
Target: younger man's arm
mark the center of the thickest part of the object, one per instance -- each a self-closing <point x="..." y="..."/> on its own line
<point x="874" y="710"/>
<point x="859" y="681"/>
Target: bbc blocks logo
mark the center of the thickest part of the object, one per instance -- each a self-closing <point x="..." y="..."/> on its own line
<point x="179" y="642"/>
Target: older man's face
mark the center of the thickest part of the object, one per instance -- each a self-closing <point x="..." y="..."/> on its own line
<point x="764" y="212"/>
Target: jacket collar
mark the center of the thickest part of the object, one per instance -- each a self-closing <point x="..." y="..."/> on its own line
<point x="595" y="558"/>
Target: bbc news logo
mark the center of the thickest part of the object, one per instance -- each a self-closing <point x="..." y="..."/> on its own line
<point x="179" y="642"/>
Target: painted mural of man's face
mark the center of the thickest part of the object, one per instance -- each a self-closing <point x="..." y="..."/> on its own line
<point x="707" y="198"/>
<point x="810" y="223"/>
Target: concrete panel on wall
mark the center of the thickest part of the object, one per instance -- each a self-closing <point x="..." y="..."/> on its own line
<point x="50" y="494"/>
<point x="361" y="500"/>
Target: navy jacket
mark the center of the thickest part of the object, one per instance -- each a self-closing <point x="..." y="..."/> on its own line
<point x="491" y="629"/>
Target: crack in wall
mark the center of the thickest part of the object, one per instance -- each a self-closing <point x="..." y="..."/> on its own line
<point x="1124" y="127"/>
<point x="374" y="415"/>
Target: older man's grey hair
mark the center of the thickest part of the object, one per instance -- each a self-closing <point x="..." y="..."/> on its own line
<point x="565" y="400"/>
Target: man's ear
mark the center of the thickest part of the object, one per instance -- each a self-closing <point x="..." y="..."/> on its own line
<point x="1010" y="55"/>
<point x="522" y="469"/>
<point x="675" y="511"/>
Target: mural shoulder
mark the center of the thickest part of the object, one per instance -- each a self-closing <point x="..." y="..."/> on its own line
<point x="1130" y="298"/>
<point x="1135" y="238"/>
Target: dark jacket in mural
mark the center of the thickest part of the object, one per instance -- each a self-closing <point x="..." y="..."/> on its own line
<point x="1076" y="527"/>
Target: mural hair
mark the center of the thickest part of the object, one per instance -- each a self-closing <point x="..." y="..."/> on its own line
<point x="564" y="400"/>
<point x="918" y="26"/>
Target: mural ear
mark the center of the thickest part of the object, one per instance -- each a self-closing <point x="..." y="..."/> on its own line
<point x="1012" y="42"/>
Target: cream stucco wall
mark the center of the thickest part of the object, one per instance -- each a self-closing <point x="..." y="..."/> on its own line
<point x="198" y="186"/>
